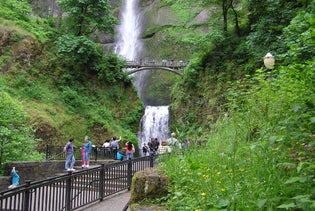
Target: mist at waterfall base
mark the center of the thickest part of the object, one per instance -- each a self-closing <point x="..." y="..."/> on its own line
<point x="155" y="121"/>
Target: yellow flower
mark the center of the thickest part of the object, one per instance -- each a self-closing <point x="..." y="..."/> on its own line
<point x="222" y="189"/>
<point x="203" y="194"/>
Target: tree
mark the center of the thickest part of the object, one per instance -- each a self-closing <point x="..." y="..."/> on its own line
<point x="226" y="6"/>
<point x="267" y="20"/>
<point x="86" y="16"/>
<point x="16" y="141"/>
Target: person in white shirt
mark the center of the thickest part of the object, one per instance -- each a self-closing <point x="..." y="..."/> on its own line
<point x="173" y="142"/>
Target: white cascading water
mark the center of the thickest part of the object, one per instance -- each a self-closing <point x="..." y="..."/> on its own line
<point x="128" y="43"/>
<point x="155" y="121"/>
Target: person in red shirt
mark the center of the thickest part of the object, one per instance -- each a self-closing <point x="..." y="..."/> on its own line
<point x="130" y="149"/>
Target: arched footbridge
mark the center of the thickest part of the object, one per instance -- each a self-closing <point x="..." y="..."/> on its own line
<point x="171" y="66"/>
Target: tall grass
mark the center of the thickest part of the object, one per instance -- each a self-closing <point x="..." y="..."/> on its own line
<point x="259" y="156"/>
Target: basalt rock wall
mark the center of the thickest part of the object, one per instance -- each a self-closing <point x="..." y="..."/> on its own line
<point x="158" y="19"/>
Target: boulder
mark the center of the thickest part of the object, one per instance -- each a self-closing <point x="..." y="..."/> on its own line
<point x="148" y="184"/>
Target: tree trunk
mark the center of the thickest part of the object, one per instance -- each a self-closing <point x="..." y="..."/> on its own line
<point x="237" y="27"/>
<point x="224" y="11"/>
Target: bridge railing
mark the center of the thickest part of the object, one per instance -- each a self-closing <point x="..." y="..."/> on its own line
<point x="74" y="190"/>
<point x="153" y="63"/>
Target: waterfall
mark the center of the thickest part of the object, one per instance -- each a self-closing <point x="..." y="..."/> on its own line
<point x="155" y="121"/>
<point x="128" y="42"/>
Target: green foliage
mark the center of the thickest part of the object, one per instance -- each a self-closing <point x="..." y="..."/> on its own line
<point x="258" y="155"/>
<point x="267" y="27"/>
<point x="78" y="52"/>
<point x="27" y="88"/>
<point x="16" y="141"/>
<point x="18" y="12"/>
<point x="73" y="99"/>
<point x="86" y="16"/>
<point x="299" y="37"/>
<point x="15" y="10"/>
<point x="110" y="69"/>
<point x="183" y="9"/>
<point x="266" y="139"/>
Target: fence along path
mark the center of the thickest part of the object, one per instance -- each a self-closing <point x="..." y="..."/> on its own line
<point x="72" y="191"/>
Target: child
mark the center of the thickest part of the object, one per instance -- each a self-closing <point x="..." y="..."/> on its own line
<point x="15" y="179"/>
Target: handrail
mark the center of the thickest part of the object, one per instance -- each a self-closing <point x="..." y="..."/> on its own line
<point x="74" y="190"/>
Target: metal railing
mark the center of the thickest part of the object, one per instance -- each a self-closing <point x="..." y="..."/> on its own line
<point x="74" y="190"/>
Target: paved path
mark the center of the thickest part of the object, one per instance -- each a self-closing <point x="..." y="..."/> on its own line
<point x="115" y="202"/>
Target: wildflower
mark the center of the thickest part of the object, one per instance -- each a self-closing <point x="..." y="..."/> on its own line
<point x="203" y="194"/>
<point x="223" y="189"/>
<point x="205" y="176"/>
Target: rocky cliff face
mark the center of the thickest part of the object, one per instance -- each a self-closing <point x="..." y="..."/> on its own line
<point x="19" y="48"/>
<point x="162" y="27"/>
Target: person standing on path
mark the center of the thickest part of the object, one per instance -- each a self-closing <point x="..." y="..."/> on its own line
<point x="87" y="151"/>
<point x="115" y="146"/>
<point x="153" y="145"/>
<point x="145" y="149"/>
<point x="69" y="151"/>
<point x="130" y="148"/>
<point x="173" y="142"/>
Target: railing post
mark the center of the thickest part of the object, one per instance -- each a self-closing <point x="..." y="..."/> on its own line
<point x="26" y="199"/>
<point x="68" y="191"/>
<point x="46" y="151"/>
<point x="101" y="184"/>
<point x="129" y="174"/>
<point x="95" y="152"/>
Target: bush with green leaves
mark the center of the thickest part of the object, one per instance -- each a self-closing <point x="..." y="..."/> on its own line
<point x="259" y="156"/>
<point x="79" y="53"/>
<point x="110" y="68"/>
<point x="86" y="16"/>
<point x="16" y="140"/>
<point x="18" y="12"/>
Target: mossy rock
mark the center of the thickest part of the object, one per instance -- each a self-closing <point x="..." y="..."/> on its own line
<point x="148" y="184"/>
<point x="137" y="207"/>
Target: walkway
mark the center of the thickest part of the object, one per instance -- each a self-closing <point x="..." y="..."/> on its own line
<point x="115" y="202"/>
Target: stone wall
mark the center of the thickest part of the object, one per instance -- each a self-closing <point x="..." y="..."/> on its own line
<point x="39" y="170"/>
<point x="31" y="171"/>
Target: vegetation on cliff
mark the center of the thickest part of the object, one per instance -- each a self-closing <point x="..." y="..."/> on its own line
<point x="61" y="81"/>
<point x="250" y="129"/>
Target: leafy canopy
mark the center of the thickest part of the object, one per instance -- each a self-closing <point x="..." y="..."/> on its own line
<point x="86" y="16"/>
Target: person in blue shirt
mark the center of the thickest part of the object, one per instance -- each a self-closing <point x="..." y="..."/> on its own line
<point x="15" y="179"/>
<point x="69" y="151"/>
<point x="87" y="151"/>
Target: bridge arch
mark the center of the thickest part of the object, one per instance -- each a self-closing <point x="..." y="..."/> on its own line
<point x="156" y="68"/>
